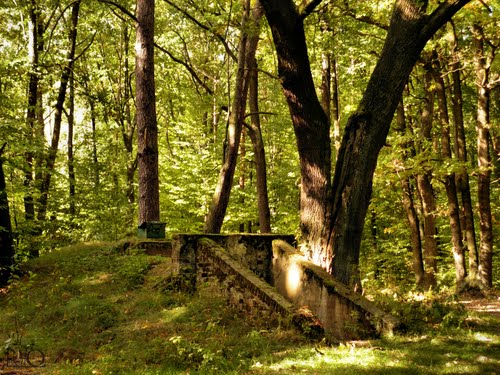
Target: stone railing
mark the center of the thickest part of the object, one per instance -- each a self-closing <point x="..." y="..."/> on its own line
<point x="343" y="313"/>
<point x="266" y="275"/>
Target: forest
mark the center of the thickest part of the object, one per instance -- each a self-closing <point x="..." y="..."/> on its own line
<point x="369" y="130"/>
<point x="69" y="125"/>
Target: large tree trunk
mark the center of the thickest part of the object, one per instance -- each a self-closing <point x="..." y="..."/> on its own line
<point x="6" y="243"/>
<point x="462" y="177"/>
<point x="367" y="129"/>
<point x="482" y="64"/>
<point x="334" y="229"/>
<point x="59" y="107"/>
<point x="449" y="180"/>
<point x="310" y="123"/>
<point x="409" y="206"/>
<point x="246" y="52"/>
<point x="147" y="130"/>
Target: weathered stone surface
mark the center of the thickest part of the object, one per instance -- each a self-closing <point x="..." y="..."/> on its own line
<point x="268" y="277"/>
<point x="343" y="313"/>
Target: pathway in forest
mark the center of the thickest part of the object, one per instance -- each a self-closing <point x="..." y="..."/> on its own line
<point x="489" y="305"/>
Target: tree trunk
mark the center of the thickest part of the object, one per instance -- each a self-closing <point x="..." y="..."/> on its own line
<point x="326" y="92"/>
<point x="29" y="205"/>
<point x="6" y="242"/>
<point x="482" y="63"/>
<point x="147" y="131"/>
<point x="335" y="114"/>
<point x="246" y="52"/>
<point x="59" y="107"/>
<point x="243" y="173"/>
<point x="449" y="181"/>
<point x="128" y="124"/>
<point x="95" y="160"/>
<point x="71" y="161"/>
<point x="462" y="177"/>
<point x="310" y="124"/>
<point x="337" y="247"/>
<point x="409" y="206"/>
<point x="426" y="189"/>
<point x="255" y="133"/>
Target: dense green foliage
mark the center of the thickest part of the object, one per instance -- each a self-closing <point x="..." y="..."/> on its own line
<point x="94" y="309"/>
<point x="192" y="123"/>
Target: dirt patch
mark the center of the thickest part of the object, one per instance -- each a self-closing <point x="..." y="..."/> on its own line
<point x="488" y="305"/>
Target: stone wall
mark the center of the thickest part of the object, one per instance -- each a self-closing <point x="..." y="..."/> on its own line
<point x="254" y="251"/>
<point x="342" y="312"/>
<point x="267" y="276"/>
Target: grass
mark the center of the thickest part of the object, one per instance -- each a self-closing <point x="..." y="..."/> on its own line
<point x="92" y="309"/>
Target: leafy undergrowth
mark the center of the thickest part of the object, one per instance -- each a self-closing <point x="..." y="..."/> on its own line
<point x="92" y="309"/>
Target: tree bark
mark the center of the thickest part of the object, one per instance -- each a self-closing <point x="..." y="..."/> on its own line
<point x="147" y="129"/>
<point x="333" y="223"/>
<point x="326" y="84"/>
<point x="71" y="161"/>
<point x="310" y="124"/>
<point x="482" y="63"/>
<point x="220" y="200"/>
<point x="449" y="180"/>
<point x="367" y="129"/>
<point x="6" y="242"/>
<point x="59" y="107"/>
<point x="335" y="114"/>
<point x="426" y="189"/>
<point x="31" y="118"/>
<point x="462" y="177"/>
<point x="255" y="133"/>
<point x="409" y="206"/>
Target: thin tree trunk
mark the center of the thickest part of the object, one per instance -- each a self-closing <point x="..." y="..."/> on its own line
<point x="335" y="113"/>
<point x="6" y="241"/>
<point x="51" y="158"/>
<point x="326" y="92"/>
<point x="128" y="125"/>
<point x="426" y="189"/>
<point x="147" y="130"/>
<point x="29" y="205"/>
<point x="409" y="206"/>
<point x="220" y="200"/>
<point x="255" y="134"/>
<point x="71" y="161"/>
<point x="243" y="173"/>
<point x="95" y="160"/>
<point x="482" y="64"/>
<point x="451" y="190"/>
<point x="462" y="177"/>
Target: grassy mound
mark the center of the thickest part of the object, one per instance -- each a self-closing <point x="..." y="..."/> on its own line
<point x="92" y="309"/>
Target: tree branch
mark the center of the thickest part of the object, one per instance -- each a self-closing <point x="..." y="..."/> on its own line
<point x="206" y="28"/>
<point x="121" y="7"/>
<point x="347" y="10"/>
<point x="440" y="16"/>
<point x="309" y="8"/>
<point x="188" y="67"/>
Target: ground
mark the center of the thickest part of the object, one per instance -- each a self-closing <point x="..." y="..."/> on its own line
<point x="93" y="309"/>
